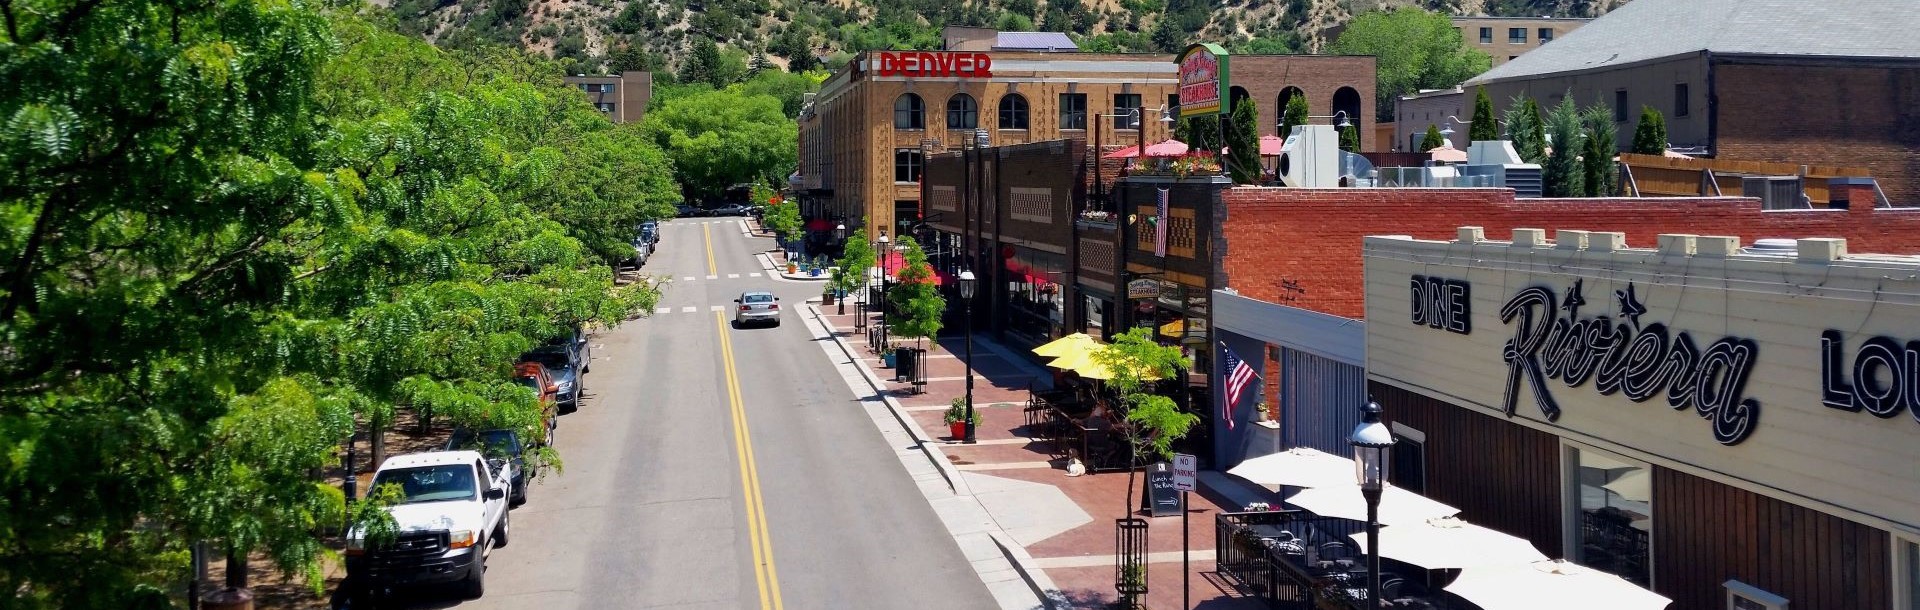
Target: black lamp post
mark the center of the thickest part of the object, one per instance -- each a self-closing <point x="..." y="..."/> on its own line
<point x="967" y="283"/>
<point x="1371" y="441"/>
<point x="881" y="247"/>
<point x="840" y="277"/>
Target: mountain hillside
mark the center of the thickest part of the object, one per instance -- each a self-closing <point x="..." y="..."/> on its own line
<point x="599" y="35"/>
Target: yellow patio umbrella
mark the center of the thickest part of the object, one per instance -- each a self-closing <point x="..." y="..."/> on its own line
<point x="1074" y="343"/>
<point x="1175" y="328"/>
<point x="1086" y="365"/>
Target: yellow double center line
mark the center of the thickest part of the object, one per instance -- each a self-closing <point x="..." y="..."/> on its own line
<point x="764" y="573"/>
<point x="707" y="230"/>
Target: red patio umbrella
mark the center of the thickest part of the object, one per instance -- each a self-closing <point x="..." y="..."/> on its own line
<point x="1167" y="148"/>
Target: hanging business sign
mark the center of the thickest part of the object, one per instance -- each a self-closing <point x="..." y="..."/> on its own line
<point x="1143" y="289"/>
<point x="930" y="64"/>
<point x="1203" y="80"/>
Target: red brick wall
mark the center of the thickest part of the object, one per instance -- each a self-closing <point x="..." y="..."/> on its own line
<point x="1313" y="236"/>
<point x="1829" y="115"/>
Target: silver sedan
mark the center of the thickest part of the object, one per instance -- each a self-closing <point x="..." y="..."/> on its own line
<point x="756" y="307"/>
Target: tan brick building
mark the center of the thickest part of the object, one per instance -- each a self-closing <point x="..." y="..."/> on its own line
<point x="865" y="137"/>
<point x="1840" y="87"/>
<point x="623" y="98"/>
<point x="1506" y="38"/>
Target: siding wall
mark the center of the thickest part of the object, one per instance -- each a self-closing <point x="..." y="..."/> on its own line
<point x="1501" y="475"/>
<point x="1705" y="533"/>
<point x="1320" y="401"/>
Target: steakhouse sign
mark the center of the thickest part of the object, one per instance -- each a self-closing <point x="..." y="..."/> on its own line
<point x="933" y="64"/>
<point x="1203" y="80"/>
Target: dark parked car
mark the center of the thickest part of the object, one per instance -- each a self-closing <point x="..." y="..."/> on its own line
<point x="497" y="444"/>
<point x="732" y="209"/>
<point x="650" y="231"/>
<point x="687" y="211"/>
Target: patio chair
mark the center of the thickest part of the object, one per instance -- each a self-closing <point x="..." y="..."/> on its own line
<point x="1335" y="551"/>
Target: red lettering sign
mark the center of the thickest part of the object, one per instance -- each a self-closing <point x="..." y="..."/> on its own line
<point x="926" y="64"/>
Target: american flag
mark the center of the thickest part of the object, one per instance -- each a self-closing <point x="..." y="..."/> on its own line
<point x="1239" y="376"/>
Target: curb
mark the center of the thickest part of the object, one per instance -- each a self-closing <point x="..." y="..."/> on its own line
<point x="766" y="264"/>
<point x="926" y="444"/>
<point x="1023" y="565"/>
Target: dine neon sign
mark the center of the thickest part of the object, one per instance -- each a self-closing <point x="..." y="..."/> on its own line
<point x="933" y="64"/>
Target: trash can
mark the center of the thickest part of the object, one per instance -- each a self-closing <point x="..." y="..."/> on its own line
<point x="905" y="364"/>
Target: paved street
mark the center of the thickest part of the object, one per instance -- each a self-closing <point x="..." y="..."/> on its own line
<point x="656" y="506"/>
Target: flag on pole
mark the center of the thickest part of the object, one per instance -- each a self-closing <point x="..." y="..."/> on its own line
<point x="1160" y="225"/>
<point x="1239" y="375"/>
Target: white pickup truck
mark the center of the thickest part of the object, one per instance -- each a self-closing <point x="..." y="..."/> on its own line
<point x="452" y="510"/>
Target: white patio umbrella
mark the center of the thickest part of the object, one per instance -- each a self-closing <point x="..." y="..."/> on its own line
<point x="1439" y="544"/>
<point x="1397" y="506"/>
<point x="1298" y="467"/>
<point x="1556" y="584"/>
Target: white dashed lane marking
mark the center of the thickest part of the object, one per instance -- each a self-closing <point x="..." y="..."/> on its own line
<point x="754" y="274"/>
<point x="663" y="310"/>
<point x="688" y="309"/>
<point x="733" y="276"/>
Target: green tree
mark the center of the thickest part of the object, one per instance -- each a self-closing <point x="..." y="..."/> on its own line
<point x="1243" y="143"/>
<point x="296" y="229"/>
<point x="784" y="220"/>
<point x="1296" y="114"/>
<point x="1484" y="127"/>
<point x="705" y="64"/>
<point x="1414" y="49"/>
<point x="790" y="88"/>
<point x="1601" y="171"/>
<point x="1135" y="360"/>
<point x="1432" y="140"/>
<point x="1650" y="136"/>
<point x="1199" y="132"/>
<point x="917" y="305"/>
<point x="855" y="259"/>
<point x="1526" y="130"/>
<point x="1350" y="139"/>
<point x="1562" y="175"/>
<point x="722" y="138"/>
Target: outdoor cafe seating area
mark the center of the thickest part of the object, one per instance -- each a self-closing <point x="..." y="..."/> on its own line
<point x="1313" y="553"/>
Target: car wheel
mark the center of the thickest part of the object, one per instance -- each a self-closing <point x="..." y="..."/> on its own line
<point x="520" y="492"/>
<point x="476" y="584"/>
<point x="500" y="533"/>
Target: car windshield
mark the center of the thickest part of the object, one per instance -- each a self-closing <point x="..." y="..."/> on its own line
<point x="550" y="359"/>
<point x="442" y="483"/>
<point x="491" y="443"/>
<point x="757" y="298"/>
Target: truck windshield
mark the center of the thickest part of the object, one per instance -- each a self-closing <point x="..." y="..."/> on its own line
<point x="431" y="483"/>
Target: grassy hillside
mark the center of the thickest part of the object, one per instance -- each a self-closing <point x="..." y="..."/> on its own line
<point x="596" y="35"/>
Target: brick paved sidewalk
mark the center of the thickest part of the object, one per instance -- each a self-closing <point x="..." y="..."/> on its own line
<point x="1078" y="559"/>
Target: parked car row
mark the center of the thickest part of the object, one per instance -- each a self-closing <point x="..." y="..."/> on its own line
<point x="453" y="504"/>
<point x="728" y="209"/>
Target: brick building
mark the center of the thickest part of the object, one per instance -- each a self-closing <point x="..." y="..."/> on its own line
<point x="622" y="97"/>
<point x="1782" y="81"/>
<point x="866" y="136"/>
<point x="1413" y="114"/>
<point x="1507" y="38"/>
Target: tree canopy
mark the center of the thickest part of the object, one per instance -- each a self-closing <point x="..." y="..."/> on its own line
<point x="726" y="137"/>
<point x="1414" y="49"/>
<point x="917" y="304"/>
<point x="297" y="224"/>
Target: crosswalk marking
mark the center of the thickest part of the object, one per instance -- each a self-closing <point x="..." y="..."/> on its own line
<point x="688" y="278"/>
<point x="713" y="277"/>
<point x="663" y="310"/>
<point x="754" y="274"/>
<point x="719" y="308"/>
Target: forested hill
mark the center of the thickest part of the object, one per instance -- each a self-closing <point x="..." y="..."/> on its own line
<point x="597" y="35"/>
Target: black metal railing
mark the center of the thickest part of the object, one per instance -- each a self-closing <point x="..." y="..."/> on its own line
<point x="1268" y="554"/>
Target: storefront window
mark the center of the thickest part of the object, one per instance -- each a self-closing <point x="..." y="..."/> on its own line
<point x="1036" y="305"/>
<point x="1096" y="315"/>
<point x="1614" y="518"/>
<point x="1913" y="574"/>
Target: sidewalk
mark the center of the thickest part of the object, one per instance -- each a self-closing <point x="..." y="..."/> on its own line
<point x="1065" y="524"/>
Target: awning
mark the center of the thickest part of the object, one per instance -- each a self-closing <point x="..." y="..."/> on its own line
<point x="1444" y="544"/>
<point x="1296" y="467"/>
<point x="1556" y="584"/>
<point x="1397" y="506"/>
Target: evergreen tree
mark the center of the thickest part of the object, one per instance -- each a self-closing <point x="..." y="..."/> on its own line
<point x="1562" y="174"/>
<point x="1296" y="114"/>
<point x="704" y="65"/>
<point x="1350" y="138"/>
<point x="1526" y="131"/>
<point x="1199" y="132"/>
<point x="1602" y="172"/>
<point x="1432" y="140"/>
<point x="1484" y="126"/>
<point x="1650" y="137"/>
<point x="1243" y="143"/>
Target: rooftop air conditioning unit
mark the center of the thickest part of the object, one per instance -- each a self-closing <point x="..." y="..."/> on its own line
<point x="1775" y="192"/>
<point x="1311" y="157"/>
<point x="1494" y="163"/>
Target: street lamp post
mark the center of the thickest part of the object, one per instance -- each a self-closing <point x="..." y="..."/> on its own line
<point x="882" y="249"/>
<point x="839" y="277"/>
<point x="1371" y="441"/>
<point x="967" y="282"/>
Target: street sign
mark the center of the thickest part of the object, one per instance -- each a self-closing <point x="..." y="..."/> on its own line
<point x="1185" y="468"/>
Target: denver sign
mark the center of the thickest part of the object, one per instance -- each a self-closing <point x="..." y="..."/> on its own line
<point x="933" y="64"/>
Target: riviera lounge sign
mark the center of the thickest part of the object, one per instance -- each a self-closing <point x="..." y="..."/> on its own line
<point x="1637" y="361"/>
<point x="929" y="64"/>
<point x="1203" y="76"/>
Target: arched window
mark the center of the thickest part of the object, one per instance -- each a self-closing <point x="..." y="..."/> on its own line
<point x="1347" y="100"/>
<point x="1236" y="95"/>
<point x="1013" y="112"/>
<point x="909" y="112"/>
<point x="962" y="112"/>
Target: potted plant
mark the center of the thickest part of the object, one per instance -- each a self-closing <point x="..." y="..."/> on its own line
<point x="792" y="267"/>
<point x="956" y="418"/>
